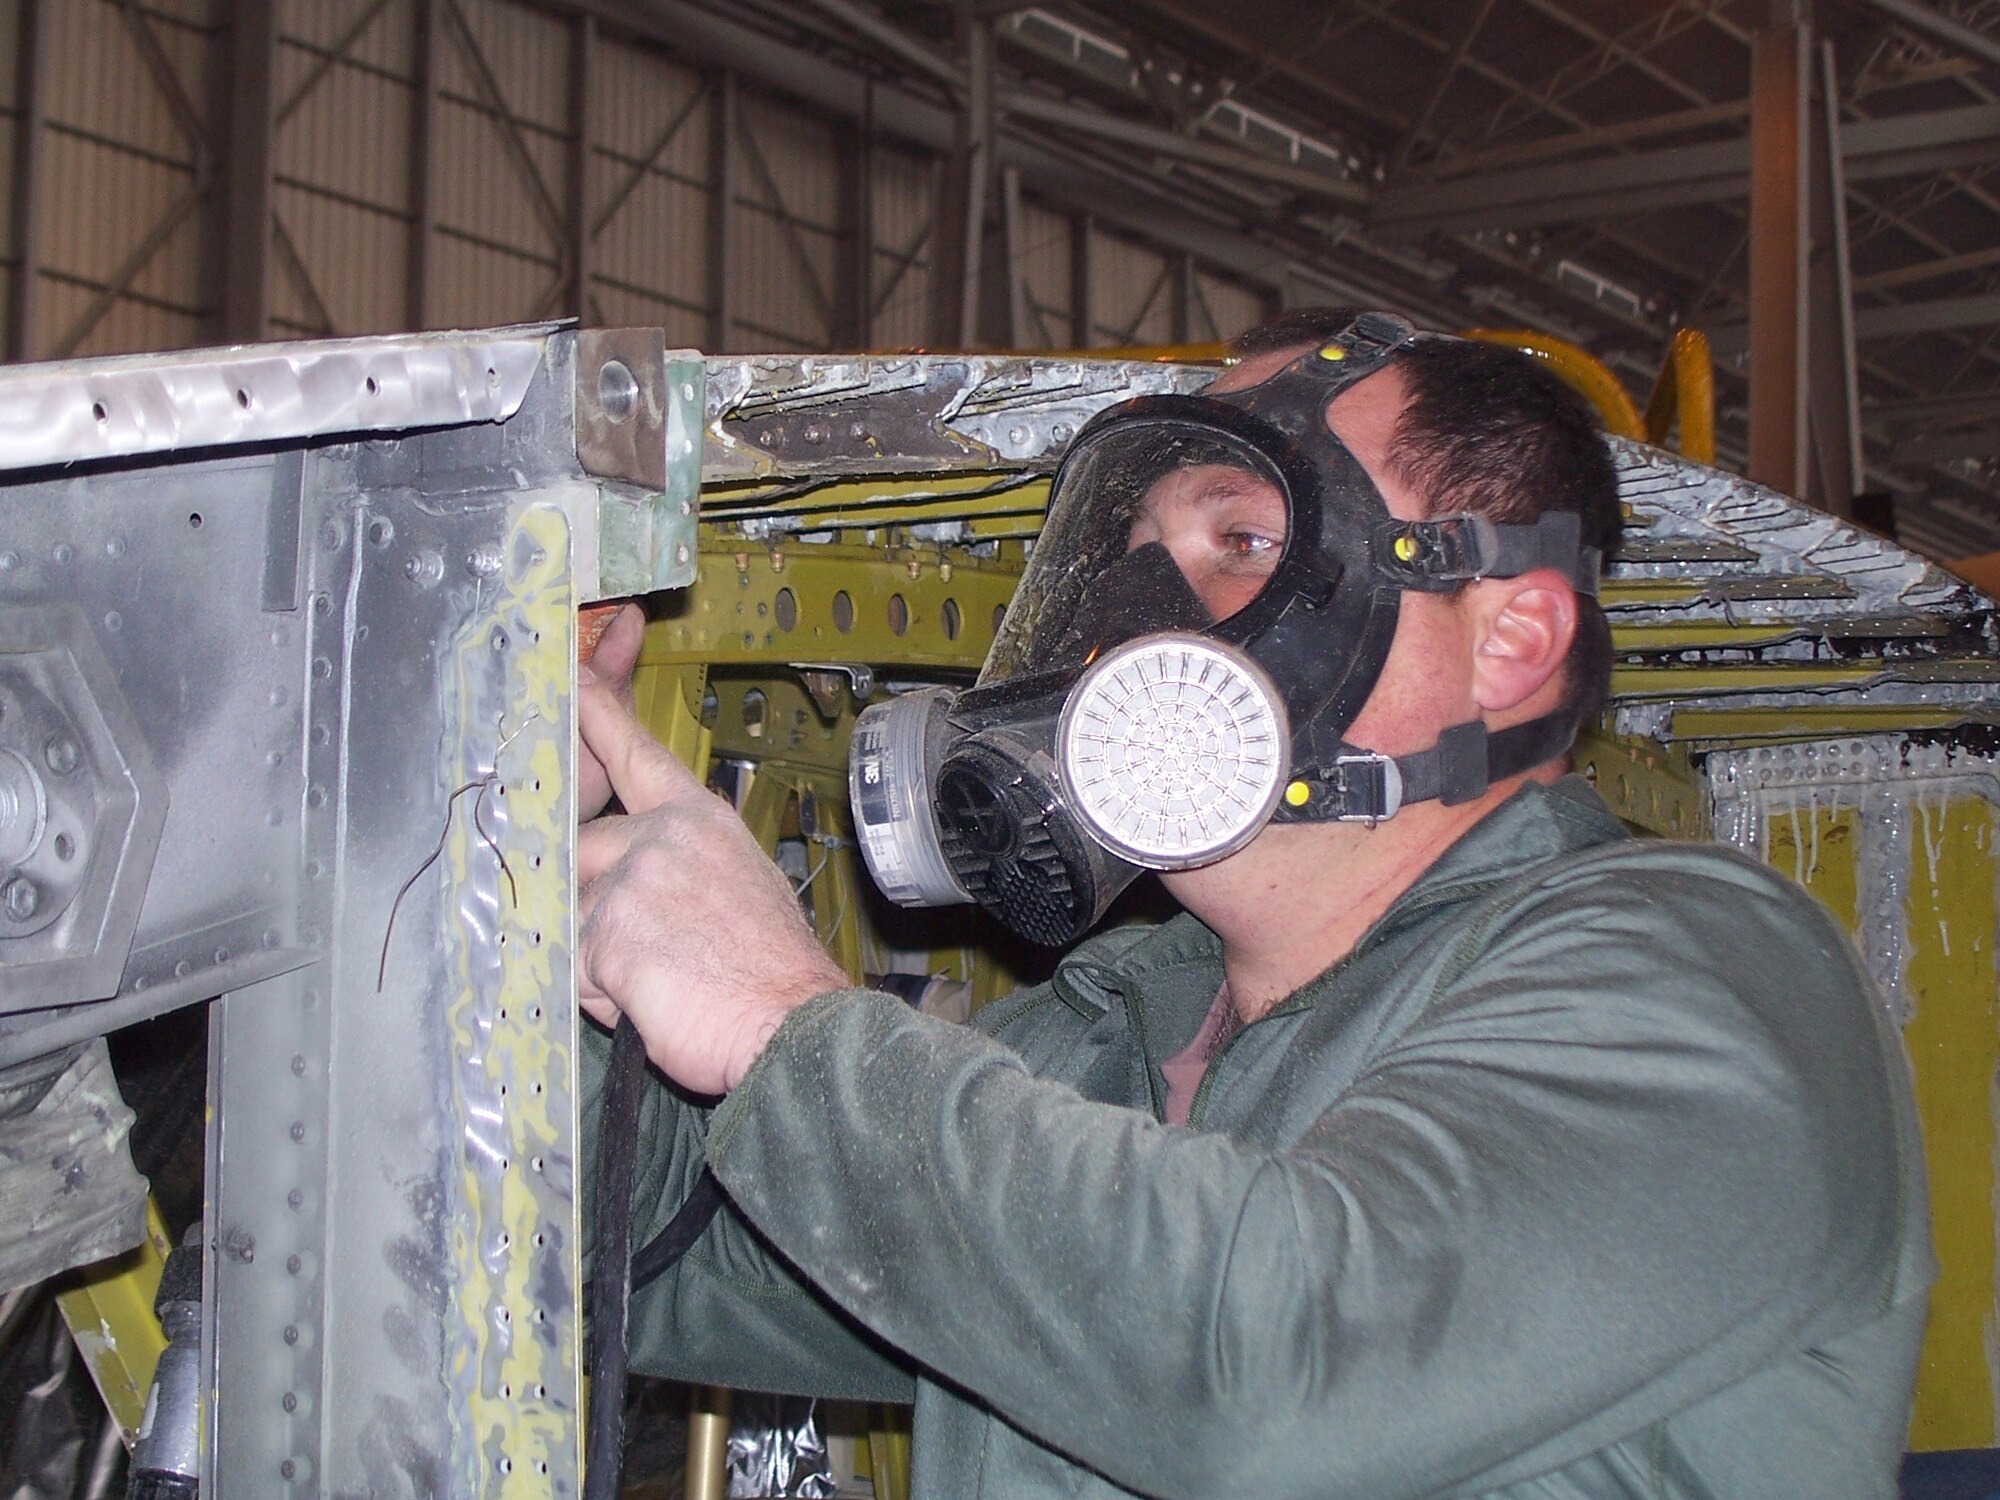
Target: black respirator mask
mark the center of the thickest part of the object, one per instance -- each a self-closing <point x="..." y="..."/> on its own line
<point x="1209" y="604"/>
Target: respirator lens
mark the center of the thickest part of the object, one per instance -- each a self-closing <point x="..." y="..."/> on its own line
<point x="1173" y="750"/>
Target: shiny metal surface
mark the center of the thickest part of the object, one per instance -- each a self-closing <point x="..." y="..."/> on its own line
<point x="75" y="410"/>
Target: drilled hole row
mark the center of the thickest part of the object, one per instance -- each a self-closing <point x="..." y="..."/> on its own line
<point x="896" y="614"/>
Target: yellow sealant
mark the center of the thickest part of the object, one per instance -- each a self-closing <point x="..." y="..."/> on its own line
<point x="517" y="1368"/>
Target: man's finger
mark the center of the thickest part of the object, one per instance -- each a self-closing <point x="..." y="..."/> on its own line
<point x="642" y="771"/>
<point x="600" y="844"/>
<point x="618" y="648"/>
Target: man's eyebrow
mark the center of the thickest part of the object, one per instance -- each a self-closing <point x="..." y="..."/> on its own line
<point x="1231" y="484"/>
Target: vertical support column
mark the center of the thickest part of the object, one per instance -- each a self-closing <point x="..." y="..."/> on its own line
<point x="1779" y="156"/>
<point x="1012" y="238"/>
<point x="1833" y="398"/>
<point x="583" y="42"/>
<point x="854" y="297"/>
<point x="30" y="91"/>
<point x="1082" y="303"/>
<point x="246" y="188"/>
<point x="958" y="269"/>
<point x="423" y="130"/>
<point x="722" y="215"/>
<point x="1182" y="324"/>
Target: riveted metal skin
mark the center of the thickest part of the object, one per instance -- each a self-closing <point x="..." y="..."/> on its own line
<point x="340" y="632"/>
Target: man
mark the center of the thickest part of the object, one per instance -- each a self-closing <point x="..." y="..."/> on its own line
<point x="1518" y="1156"/>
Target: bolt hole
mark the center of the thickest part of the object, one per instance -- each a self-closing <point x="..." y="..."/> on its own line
<point x="371" y="386"/>
<point x="999" y="614"/>
<point x="617" y="390"/>
<point x="243" y="397"/>
<point x="843" y="612"/>
<point x="899" y="614"/>
<point x="194" y="520"/>
<point x="949" y="620"/>
<point x="786" y="608"/>
<point x="100" y="411"/>
<point x="65" y="846"/>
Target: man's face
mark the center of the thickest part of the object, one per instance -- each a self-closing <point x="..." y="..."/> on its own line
<point x="1224" y="526"/>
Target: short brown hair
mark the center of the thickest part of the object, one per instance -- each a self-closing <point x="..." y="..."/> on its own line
<point x="1489" y="431"/>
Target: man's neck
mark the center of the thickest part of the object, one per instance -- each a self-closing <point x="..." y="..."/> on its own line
<point x="1296" y="900"/>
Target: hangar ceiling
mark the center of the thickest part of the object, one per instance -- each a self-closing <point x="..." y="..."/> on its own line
<point x="784" y="175"/>
<point x="1578" y="166"/>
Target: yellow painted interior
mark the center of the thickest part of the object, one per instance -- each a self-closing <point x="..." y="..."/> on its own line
<point x="1816" y="845"/>
<point x="1954" y="1042"/>
<point x="109" y="1310"/>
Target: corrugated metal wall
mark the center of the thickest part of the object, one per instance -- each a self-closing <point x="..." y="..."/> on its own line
<point x="425" y="173"/>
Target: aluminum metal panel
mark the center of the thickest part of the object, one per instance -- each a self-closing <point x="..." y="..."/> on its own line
<point x="351" y="662"/>
<point x="393" y="1302"/>
<point x="63" y="413"/>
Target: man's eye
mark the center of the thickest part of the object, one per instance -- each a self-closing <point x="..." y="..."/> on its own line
<point x="1248" y="543"/>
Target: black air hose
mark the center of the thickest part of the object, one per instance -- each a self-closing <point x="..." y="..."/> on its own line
<point x="617" y="1272"/>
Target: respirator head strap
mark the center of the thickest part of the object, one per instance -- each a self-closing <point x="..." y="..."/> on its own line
<point x="1365" y="786"/>
<point x="1436" y="556"/>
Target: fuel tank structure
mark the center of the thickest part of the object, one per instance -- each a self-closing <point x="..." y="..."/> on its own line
<point x="287" y="660"/>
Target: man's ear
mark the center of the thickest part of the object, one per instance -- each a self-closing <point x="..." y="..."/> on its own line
<point x="1525" y="626"/>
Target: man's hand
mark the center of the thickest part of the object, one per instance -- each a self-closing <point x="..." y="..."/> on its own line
<point x="686" y="926"/>
<point x="611" y="663"/>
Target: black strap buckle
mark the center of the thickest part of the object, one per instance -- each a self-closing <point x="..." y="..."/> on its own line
<point x="1436" y="556"/>
<point x="1367" y="786"/>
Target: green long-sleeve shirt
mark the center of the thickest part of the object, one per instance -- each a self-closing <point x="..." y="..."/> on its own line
<point x="1591" y="1171"/>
